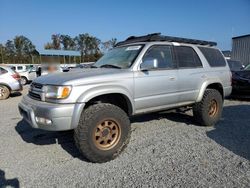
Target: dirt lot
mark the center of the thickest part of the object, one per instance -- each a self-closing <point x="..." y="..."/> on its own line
<point x="166" y="149"/>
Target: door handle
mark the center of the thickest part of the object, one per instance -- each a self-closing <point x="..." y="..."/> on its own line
<point x="172" y="78"/>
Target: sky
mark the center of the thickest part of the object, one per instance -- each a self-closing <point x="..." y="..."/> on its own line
<point x="216" y="20"/>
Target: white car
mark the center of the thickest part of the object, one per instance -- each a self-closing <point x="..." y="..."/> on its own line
<point x="9" y="82"/>
<point x="26" y="72"/>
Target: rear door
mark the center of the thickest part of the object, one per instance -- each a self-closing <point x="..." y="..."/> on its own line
<point x="190" y="73"/>
<point x="157" y="87"/>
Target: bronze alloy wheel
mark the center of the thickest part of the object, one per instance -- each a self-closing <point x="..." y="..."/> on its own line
<point x="107" y="134"/>
<point x="213" y="108"/>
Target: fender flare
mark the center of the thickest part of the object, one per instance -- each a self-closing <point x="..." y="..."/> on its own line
<point x="204" y="87"/>
<point x="103" y="90"/>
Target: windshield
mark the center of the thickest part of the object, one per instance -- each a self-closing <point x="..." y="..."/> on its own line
<point x="120" y="57"/>
<point x="235" y="65"/>
<point x="247" y="67"/>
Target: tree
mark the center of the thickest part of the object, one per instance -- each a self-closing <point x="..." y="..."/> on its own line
<point x="10" y="51"/>
<point x="48" y="46"/>
<point x="88" y="45"/>
<point x="67" y="42"/>
<point x="56" y="41"/>
<point x="3" y="52"/>
<point x="109" y="44"/>
<point x="23" y="48"/>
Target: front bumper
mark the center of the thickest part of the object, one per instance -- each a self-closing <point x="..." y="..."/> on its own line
<point x="63" y="116"/>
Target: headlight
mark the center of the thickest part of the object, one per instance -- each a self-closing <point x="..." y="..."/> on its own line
<point x="57" y="92"/>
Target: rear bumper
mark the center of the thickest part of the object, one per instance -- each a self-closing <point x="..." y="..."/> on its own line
<point x="16" y="86"/>
<point x="63" y="116"/>
<point x="227" y="91"/>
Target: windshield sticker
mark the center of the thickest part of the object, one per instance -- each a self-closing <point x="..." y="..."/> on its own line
<point x="133" y="48"/>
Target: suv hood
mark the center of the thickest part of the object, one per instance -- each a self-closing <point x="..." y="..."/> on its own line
<point x="80" y="76"/>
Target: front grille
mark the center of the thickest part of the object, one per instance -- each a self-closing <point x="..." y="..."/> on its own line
<point x="34" y="95"/>
<point x="36" y="85"/>
<point x="35" y="91"/>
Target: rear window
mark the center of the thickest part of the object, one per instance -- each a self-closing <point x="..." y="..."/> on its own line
<point x="187" y="57"/>
<point x="213" y="56"/>
<point x="2" y="71"/>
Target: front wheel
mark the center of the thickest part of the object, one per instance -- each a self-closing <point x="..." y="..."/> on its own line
<point x="4" y="92"/>
<point x="103" y="132"/>
<point x="208" y="111"/>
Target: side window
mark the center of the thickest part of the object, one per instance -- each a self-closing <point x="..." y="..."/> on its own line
<point x="187" y="57"/>
<point x="213" y="56"/>
<point x="19" y="68"/>
<point x="162" y="54"/>
<point x="2" y="71"/>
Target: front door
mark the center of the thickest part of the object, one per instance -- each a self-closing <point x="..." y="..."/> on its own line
<point x="157" y="87"/>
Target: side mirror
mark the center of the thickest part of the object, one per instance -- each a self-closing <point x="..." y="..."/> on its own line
<point x="149" y="64"/>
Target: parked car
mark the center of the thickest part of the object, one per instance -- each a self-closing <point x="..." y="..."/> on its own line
<point x="50" y="68"/>
<point x="27" y="73"/>
<point x="247" y="67"/>
<point x="9" y="82"/>
<point x="140" y="75"/>
<point x="235" y="65"/>
<point x="241" y="83"/>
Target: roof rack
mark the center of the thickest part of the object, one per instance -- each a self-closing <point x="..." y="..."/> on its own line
<point x="158" y="37"/>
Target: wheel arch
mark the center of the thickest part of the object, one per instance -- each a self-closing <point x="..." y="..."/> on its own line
<point x="117" y="96"/>
<point x="4" y="84"/>
<point x="210" y="85"/>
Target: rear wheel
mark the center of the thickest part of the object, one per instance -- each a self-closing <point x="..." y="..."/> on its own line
<point x="4" y="92"/>
<point x="24" y="80"/>
<point x="103" y="132"/>
<point x="209" y="110"/>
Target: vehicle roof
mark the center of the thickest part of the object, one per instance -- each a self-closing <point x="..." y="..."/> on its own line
<point x="157" y="37"/>
<point x="166" y="43"/>
<point x="6" y="67"/>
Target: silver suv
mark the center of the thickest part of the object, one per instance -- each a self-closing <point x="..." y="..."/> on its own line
<point x="140" y="75"/>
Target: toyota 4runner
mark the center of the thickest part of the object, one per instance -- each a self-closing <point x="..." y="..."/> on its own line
<point x="140" y="75"/>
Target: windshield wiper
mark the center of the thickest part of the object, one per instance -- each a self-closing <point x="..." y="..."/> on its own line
<point x="110" y="66"/>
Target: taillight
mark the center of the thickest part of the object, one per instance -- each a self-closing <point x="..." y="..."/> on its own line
<point x="16" y="76"/>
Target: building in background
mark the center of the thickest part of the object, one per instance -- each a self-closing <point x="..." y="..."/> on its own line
<point x="59" y="56"/>
<point x="241" y="49"/>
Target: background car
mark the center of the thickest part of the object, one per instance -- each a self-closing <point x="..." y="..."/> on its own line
<point x="48" y="69"/>
<point x="9" y="82"/>
<point x="241" y="82"/>
<point x="235" y="65"/>
<point x="27" y="73"/>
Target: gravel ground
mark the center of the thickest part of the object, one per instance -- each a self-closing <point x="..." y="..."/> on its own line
<point x="166" y="150"/>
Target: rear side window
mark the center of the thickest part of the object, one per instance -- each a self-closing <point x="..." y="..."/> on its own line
<point x="187" y="57"/>
<point x="2" y="71"/>
<point x="19" y="68"/>
<point x="213" y="56"/>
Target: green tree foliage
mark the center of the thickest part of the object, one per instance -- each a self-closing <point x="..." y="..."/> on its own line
<point x="56" y="41"/>
<point x="89" y="47"/>
<point x="67" y="42"/>
<point x="19" y="50"/>
<point x="107" y="45"/>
